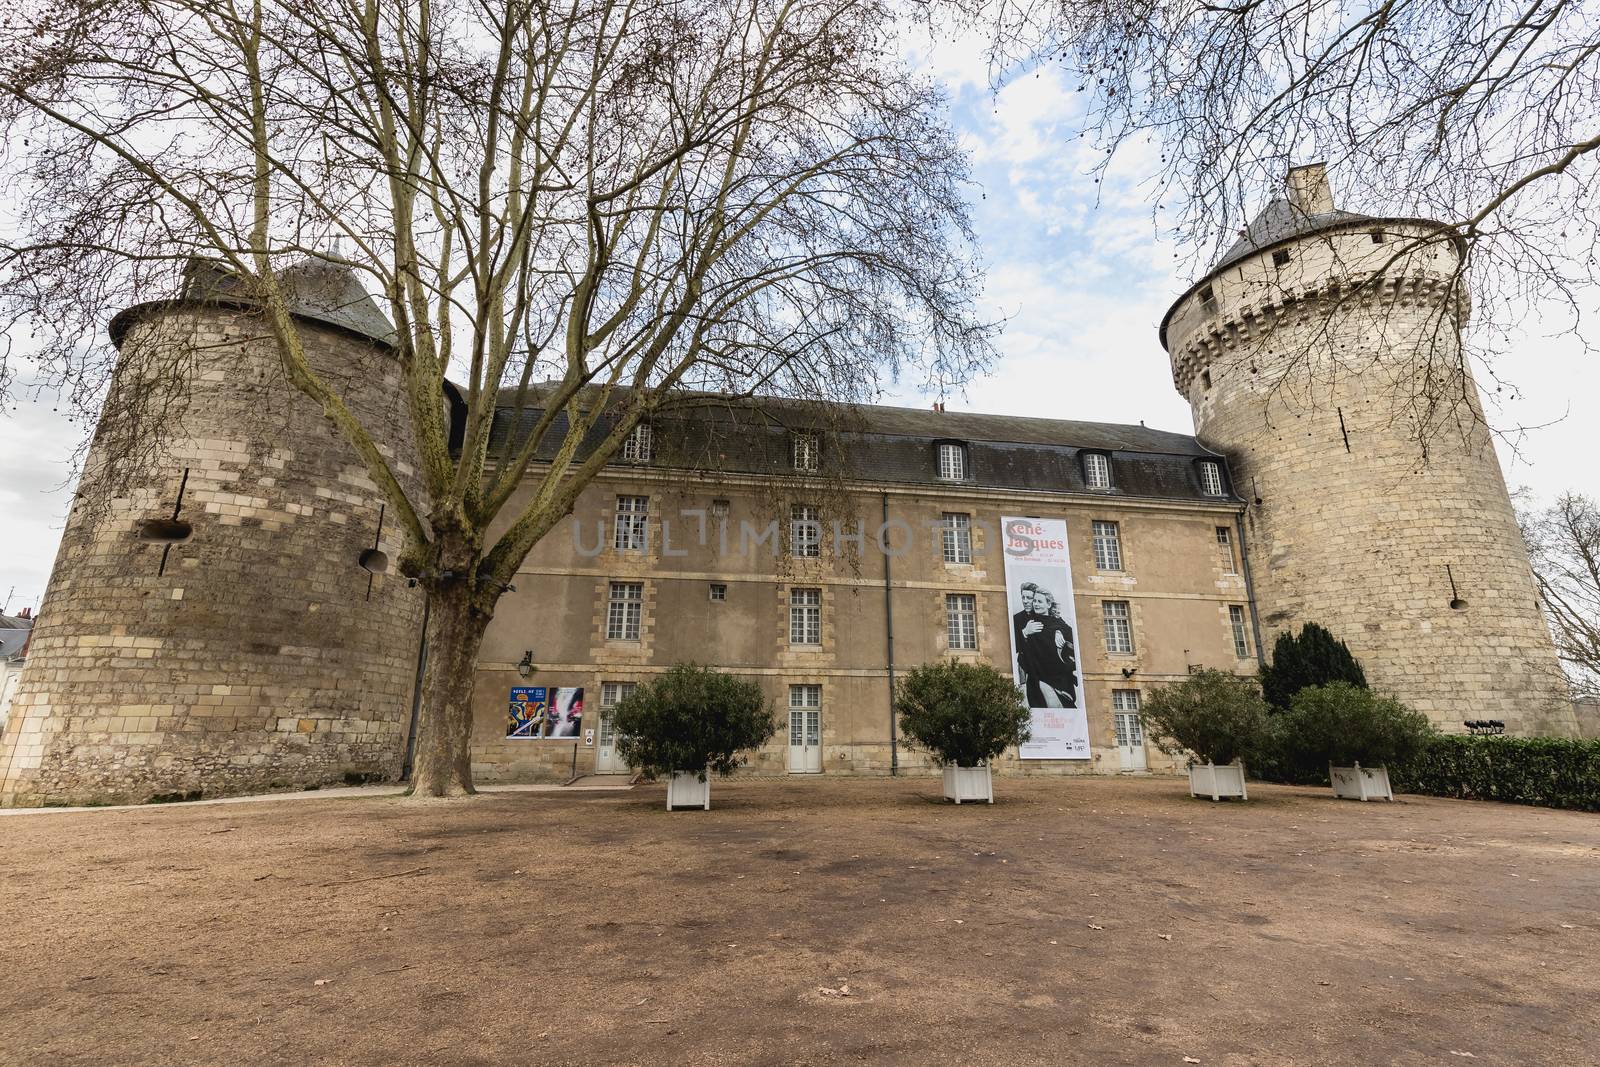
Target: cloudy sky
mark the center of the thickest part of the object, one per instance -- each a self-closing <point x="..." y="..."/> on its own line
<point x="1078" y="270"/>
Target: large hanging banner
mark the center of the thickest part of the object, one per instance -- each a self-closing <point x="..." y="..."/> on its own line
<point x="538" y="712"/>
<point x="1044" y="646"/>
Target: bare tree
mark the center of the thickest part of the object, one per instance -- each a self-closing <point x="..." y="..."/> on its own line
<point x="587" y="211"/>
<point x="1564" y="548"/>
<point x="1481" y="115"/>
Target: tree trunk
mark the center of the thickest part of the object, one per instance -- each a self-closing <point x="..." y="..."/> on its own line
<point x="442" y="764"/>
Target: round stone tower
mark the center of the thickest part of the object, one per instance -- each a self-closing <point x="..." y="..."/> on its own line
<point x="1322" y="356"/>
<point x="220" y="619"/>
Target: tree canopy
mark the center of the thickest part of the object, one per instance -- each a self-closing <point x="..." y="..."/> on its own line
<point x="1311" y="657"/>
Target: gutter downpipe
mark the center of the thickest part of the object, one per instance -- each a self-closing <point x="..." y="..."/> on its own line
<point x="1249" y="586"/>
<point x="888" y="636"/>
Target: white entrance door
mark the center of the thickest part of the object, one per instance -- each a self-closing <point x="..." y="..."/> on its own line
<point x="1130" y="734"/>
<point x="805" y="729"/>
<point x="605" y="754"/>
<point x="606" y="760"/>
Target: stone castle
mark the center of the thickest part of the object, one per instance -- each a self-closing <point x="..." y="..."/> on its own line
<point x="231" y="623"/>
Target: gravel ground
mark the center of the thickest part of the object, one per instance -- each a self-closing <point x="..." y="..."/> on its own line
<point x="804" y="922"/>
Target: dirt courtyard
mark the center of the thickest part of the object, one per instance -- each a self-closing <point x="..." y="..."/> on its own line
<point x="1075" y="921"/>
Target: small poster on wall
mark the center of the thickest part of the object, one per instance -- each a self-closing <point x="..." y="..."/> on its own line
<point x="538" y="712"/>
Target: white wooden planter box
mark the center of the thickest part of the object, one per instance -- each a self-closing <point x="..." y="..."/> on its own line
<point x="1360" y="783"/>
<point x="1209" y="780"/>
<point x="686" y="790"/>
<point x="968" y="783"/>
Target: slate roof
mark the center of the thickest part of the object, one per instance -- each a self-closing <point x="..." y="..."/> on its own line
<point x="13" y="635"/>
<point x="1279" y="221"/>
<point x="896" y="445"/>
<point x="316" y="290"/>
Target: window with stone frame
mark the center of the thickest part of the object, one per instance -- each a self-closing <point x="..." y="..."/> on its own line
<point x="805" y="450"/>
<point x="1107" y="546"/>
<point x="624" y="611"/>
<point x="956" y="533"/>
<point x="1097" y="470"/>
<point x="952" y="461"/>
<point x="638" y="446"/>
<point x="633" y="517"/>
<point x="961" y="620"/>
<point x="805" y="531"/>
<point x="614" y="693"/>
<point x="805" y="616"/>
<point x="1241" y="636"/>
<point x="805" y="696"/>
<point x="1225" y="551"/>
<point x="1125" y="718"/>
<point x="1118" y="627"/>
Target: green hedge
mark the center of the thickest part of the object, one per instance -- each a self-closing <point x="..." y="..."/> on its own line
<point x="1547" y="771"/>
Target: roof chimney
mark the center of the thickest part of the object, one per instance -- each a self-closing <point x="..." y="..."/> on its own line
<point x="1308" y="190"/>
<point x="25" y="613"/>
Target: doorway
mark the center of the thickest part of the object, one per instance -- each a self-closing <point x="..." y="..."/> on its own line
<point x="805" y="729"/>
<point x="1129" y="731"/>
<point x="606" y="760"/>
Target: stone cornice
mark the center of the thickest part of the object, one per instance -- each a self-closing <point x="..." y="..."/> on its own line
<point x="1243" y="323"/>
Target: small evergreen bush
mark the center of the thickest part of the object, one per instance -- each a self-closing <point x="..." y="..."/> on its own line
<point x="1342" y="724"/>
<point x="1313" y="657"/>
<point x="963" y="713"/>
<point x="1215" y="716"/>
<point x="692" y="719"/>
<point x="1551" y="772"/>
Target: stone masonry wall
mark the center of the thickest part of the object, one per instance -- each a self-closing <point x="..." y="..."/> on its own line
<point x="258" y="653"/>
<point x="1317" y="388"/>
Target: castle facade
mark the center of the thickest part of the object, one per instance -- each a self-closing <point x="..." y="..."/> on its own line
<point x="232" y="625"/>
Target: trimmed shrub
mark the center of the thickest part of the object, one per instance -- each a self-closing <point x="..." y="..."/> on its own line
<point x="1314" y="657"/>
<point x="692" y="719"/>
<point x="1215" y="716"/>
<point x="1344" y="724"/>
<point x="963" y="713"/>
<point x="1551" y="772"/>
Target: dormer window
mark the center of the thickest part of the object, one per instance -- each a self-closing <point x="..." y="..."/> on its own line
<point x="637" y="446"/>
<point x="952" y="461"/>
<point x="1280" y="258"/>
<point x="805" y="449"/>
<point x="1210" y="477"/>
<point x="1097" y="470"/>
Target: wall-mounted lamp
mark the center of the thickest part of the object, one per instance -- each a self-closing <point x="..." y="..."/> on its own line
<point x="525" y="665"/>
